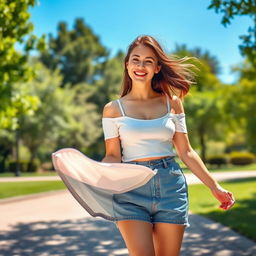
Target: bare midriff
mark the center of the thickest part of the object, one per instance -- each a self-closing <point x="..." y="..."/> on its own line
<point x="149" y="158"/>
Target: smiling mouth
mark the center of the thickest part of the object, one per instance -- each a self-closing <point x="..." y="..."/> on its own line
<point x="140" y="74"/>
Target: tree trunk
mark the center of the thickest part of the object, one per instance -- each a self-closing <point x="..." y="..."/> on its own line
<point x="202" y="143"/>
<point x="17" y="155"/>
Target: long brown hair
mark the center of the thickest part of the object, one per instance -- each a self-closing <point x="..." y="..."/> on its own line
<point x="174" y="75"/>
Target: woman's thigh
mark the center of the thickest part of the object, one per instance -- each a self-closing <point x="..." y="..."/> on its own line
<point x="167" y="238"/>
<point x="137" y="236"/>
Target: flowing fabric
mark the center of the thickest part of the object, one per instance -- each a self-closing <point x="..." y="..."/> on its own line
<point x="93" y="183"/>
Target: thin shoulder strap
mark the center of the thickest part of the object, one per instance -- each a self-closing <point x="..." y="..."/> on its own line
<point x="120" y="106"/>
<point x="168" y="103"/>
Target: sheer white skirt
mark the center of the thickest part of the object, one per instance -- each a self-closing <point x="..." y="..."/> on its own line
<point x="94" y="183"/>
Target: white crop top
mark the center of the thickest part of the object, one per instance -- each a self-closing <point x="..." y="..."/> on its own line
<point x="144" y="138"/>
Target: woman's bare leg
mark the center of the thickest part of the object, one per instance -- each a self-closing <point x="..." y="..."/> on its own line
<point x="167" y="239"/>
<point x="137" y="236"/>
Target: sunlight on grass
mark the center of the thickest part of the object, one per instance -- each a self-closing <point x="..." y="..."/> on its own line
<point x="29" y="174"/>
<point x="10" y="189"/>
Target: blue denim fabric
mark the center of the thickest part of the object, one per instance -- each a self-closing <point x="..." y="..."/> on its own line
<point x="163" y="199"/>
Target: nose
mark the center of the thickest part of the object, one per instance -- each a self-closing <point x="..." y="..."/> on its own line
<point x="140" y="63"/>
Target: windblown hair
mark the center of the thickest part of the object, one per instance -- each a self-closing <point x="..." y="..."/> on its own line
<point x="174" y="77"/>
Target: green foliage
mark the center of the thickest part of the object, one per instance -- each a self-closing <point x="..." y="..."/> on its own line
<point x="217" y="111"/>
<point x="241" y="158"/>
<point x="23" y="166"/>
<point x="33" y="165"/>
<point x="208" y="61"/>
<point x="204" y="118"/>
<point x="232" y="8"/>
<point x="91" y="75"/>
<point x="205" y="100"/>
<point x="244" y="70"/>
<point x="14" y="27"/>
<point x="77" y="53"/>
<point x="105" y="90"/>
<point x="240" y="105"/>
<point x="247" y="92"/>
<point x="109" y="86"/>
<point x="6" y="142"/>
<point x="64" y="118"/>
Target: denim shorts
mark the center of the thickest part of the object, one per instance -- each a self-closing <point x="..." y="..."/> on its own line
<point x="164" y="198"/>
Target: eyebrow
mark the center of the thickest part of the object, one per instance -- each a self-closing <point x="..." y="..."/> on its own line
<point x="146" y="57"/>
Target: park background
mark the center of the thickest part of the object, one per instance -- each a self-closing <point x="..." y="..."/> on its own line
<point x="62" y="61"/>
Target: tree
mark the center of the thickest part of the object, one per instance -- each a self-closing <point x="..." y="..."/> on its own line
<point x="204" y="99"/>
<point x="204" y="118"/>
<point x="15" y="28"/>
<point x="61" y="119"/>
<point x="232" y="8"/>
<point x="77" y="53"/>
<point x="208" y="67"/>
<point x="205" y="56"/>
<point x="109" y="86"/>
<point x="244" y="70"/>
<point x="105" y="90"/>
<point x="241" y="103"/>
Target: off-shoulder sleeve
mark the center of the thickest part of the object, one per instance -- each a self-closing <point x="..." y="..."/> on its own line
<point x="110" y="129"/>
<point x="180" y="122"/>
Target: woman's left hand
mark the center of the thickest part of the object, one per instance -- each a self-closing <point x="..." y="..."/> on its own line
<point x="225" y="197"/>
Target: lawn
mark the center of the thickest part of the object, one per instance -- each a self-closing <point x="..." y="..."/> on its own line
<point x="10" y="189"/>
<point x="228" y="168"/>
<point x="240" y="218"/>
<point x="29" y="174"/>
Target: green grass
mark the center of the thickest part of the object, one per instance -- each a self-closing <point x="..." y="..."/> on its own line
<point x="242" y="215"/>
<point x="230" y="168"/>
<point x="251" y="167"/>
<point x="10" y="189"/>
<point x="29" y="174"/>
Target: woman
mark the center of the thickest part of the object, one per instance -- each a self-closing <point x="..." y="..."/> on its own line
<point x="144" y="123"/>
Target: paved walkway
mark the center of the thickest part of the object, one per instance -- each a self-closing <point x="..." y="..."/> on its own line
<point x="54" y="224"/>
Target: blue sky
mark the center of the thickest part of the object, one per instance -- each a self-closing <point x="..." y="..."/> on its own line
<point x="118" y="22"/>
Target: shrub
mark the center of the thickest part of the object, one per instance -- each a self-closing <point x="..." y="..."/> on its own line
<point x="217" y="160"/>
<point x="32" y="167"/>
<point x="23" y="166"/>
<point x="241" y="158"/>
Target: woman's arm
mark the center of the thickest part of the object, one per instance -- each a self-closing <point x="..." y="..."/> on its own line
<point x="112" y="145"/>
<point x="113" y="151"/>
<point x="192" y="160"/>
<point x="196" y="165"/>
<point x="111" y="159"/>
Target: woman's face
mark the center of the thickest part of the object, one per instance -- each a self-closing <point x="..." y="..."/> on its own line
<point x="142" y="64"/>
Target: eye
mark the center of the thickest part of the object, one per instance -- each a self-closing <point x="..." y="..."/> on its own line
<point x="149" y="61"/>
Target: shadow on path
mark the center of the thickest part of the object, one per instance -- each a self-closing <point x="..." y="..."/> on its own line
<point x="208" y="238"/>
<point x="96" y="237"/>
<point x="56" y="238"/>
